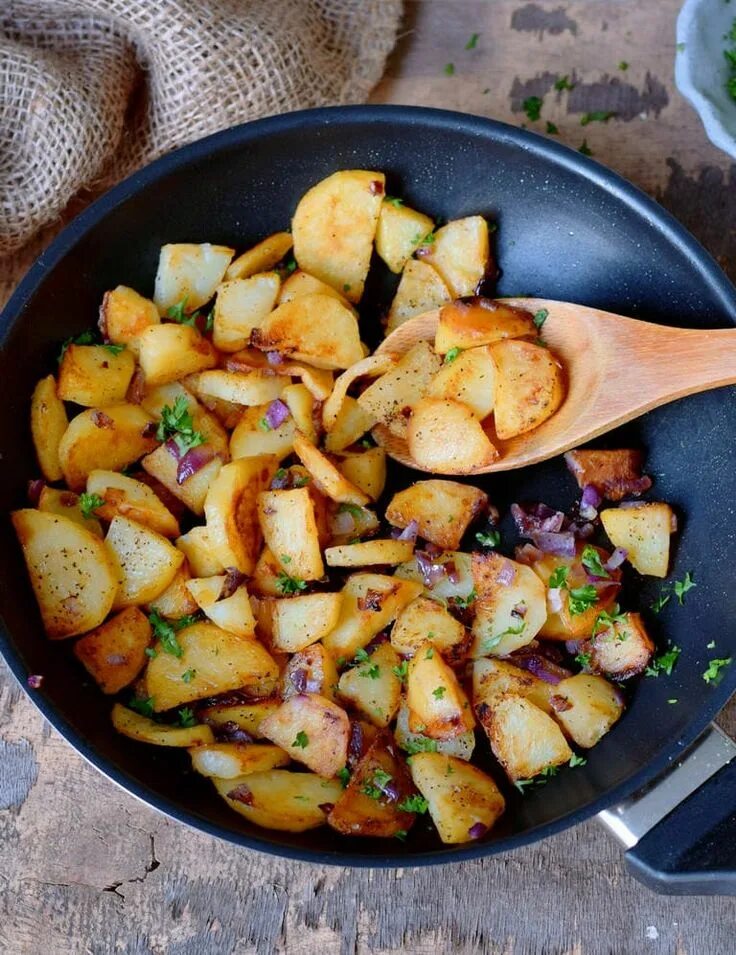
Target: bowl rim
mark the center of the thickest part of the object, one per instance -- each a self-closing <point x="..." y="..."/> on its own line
<point x="237" y="137"/>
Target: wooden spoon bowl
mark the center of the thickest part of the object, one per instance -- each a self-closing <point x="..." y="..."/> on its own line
<point x="616" y="369"/>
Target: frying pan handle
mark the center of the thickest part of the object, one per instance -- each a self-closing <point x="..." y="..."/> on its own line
<point x="680" y="830"/>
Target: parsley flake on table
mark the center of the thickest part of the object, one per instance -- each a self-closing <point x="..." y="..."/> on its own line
<point x="713" y="673"/>
<point x="449" y="69"/>
<point x="287" y="585"/>
<point x="532" y="106"/>
<point x="88" y="503"/>
<point x="301" y="741"/>
<point x="664" y="663"/>
<point x="177" y="423"/>
<point x="585" y="149"/>
<point x="596" y="116"/>
<point x="413" y="804"/>
<point x="564" y="84"/>
<point x="660" y="602"/>
<point x="623" y="66"/>
<point x="473" y="41"/>
<point x="552" y="130"/>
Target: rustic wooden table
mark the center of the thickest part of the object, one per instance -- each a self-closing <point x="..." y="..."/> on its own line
<point x="84" y="868"/>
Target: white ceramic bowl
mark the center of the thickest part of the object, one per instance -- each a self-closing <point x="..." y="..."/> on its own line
<point x="701" y="70"/>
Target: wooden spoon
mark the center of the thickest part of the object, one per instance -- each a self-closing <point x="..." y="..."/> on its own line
<point x="616" y="369"/>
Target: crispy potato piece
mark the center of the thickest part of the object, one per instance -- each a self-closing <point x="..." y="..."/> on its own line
<point x="115" y="652"/>
<point x="459" y="583"/>
<point x="300" y="621"/>
<point x="279" y="799"/>
<point x="529" y="387"/>
<point x="110" y="439"/>
<point x="254" y="388"/>
<point x="590" y="707"/>
<point x="471" y="379"/>
<point x="622" y="649"/>
<point x="241" y="305"/>
<point x="461" y="746"/>
<point x="175" y="601"/>
<point x="373" y="688"/>
<point x="365" y="807"/>
<point x="461" y="254"/>
<point x="443" y="510"/>
<point x="189" y="271"/>
<point x="400" y="232"/>
<point x="48" y="424"/>
<point x="290" y="530"/>
<point x="644" y="533"/>
<point x="508" y="616"/>
<point x="370" y="603"/>
<point x="261" y="257"/>
<point x="614" y="474"/>
<point x="317" y="380"/>
<point x="420" y="290"/>
<point x="144" y="730"/>
<point x="438" y="706"/>
<point x="267" y="577"/>
<point x="247" y="715"/>
<point x="464" y="802"/>
<point x="200" y="553"/>
<point x="367" y="553"/>
<point x="334" y="226"/>
<point x="350" y="424"/>
<point x="231" y="760"/>
<point x="424" y="619"/>
<point x="445" y="436"/>
<point x="302" y="283"/>
<point x="168" y="352"/>
<point x="252" y="438"/>
<point x="232" y="613"/>
<point x="300" y="402"/>
<point x="133" y="499"/>
<point x="495" y="678"/>
<point x="313" y="328"/>
<point x="390" y="397"/>
<point x="66" y="504"/>
<point x="326" y="476"/>
<point x="524" y="739"/>
<point x="372" y="366"/>
<point x="311" y="670"/>
<point x="71" y="572"/>
<point x="146" y="561"/>
<point x="163" y="466"/>
<point x="93" y="376"/>
<point x="312" y="730"/>
<point x="231" y="508"/>
<point x="124" y="314"/>
<point x="219" y="661"/>
<point x="365" y="470"/>
<point x="477" y="321"/>
<point x="155" y="400"/>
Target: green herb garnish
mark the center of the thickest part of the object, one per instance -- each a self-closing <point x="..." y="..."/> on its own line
<point x="164" y="631"/>
<point x="712" y="674"/>
<point x="177" y="423"/>
<point x="591" y="560"/>
<point x="186" y="717"/>
<point x="664" y="663"/>
<point x="564" y="84"/>
<point x="375" y="790"/>
<point x="287" y="585"/>
<point x="597" y="116"/>
<point x="372" y="672"/>
<point x="623" y="66"/>
<point x="413" y="804"/>
<point x="576" y="760"/>
<point x="142" y="705"/>
<point x="401" y="671"/>
<point x="438" y="692"/>
<point x="583" y="659"/>
<point x="582" y="598"/>
<point x="558" y="577"/>
<point x="449" y="69"/>
<point x="473" y="41"/>
<point x="301" y="741"/>
<point x="88" y="503"/>
<point x="585" y="149"/>
<point x="464" y="602"/>
<point x="681" y="587"/>
<point x="419" y="744"/>
<point x="552" y="130"/>
<point x="188" y="675"/>
<point x="84" y="338"/>
<point x="452" y="354"/>
<point x="344" y="776"/>
<point x="488" y="538"/>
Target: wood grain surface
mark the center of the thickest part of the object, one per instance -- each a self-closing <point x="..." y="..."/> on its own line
<point x="85" y="868"/>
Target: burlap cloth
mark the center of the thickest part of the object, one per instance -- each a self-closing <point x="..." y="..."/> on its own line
<point x="92" y="89"/>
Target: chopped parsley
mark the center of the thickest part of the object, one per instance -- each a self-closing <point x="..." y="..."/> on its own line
<point x="711" y="645"/>
<point x="597" y="116"/>
<point x="401" y="835"/>
<point x="583" y="659"/>
<point x="492" y="642"/>
<point x="464" y="602"/>
<point x="582" y="598"/>
<point x="290" y="265"/>
<point x="452" y="354"/>
<point x="558" y="577"/>
<point x="361" y="656"/>
<point x="540" y="317"/>
<point x="419" y="744"/>
<point x="449" y="69"/>
<point x="151" y="652"/>
<point x="473" y="41"/>
<point x="142" y="705"/>
<point x="664" y="663"/>
<point x="188" y="675"/>
<point x="539" y="780"/>
<point x="301" y="741"/>
<point x="177" y="423"/>
<point x="177" y="313"/>
<point x="372" y="672"/>
<point x="394" y="201"/>
<point x="88" y="503"/>
<point x="186" y="717"/>
<point x="591" y="560"/>
<point x="429" y="654"/>
<point x="401" y="671"/>
<point x="661" y="601"/>
<point x="438" y="692"/>
<point x="576" y="760"/>
<point x="712" y="674"/>
<point x="355" y="510"/>
<point x="681" y="587"/>
<point x="263" y="425"/>
<point x="674" y="700"/>
<point x="165" y="631"/>
<point x="413" y="804"/>
<point x="287" y="585"/>
<point x="552" y="130"/>
<point x="730" y="55"/>
<point x="532" y="106"/>
<point x="84" y="338"/>
<point x="585" y="149"/>
<point x="376" y="789"/>
<point x="209" y="322"/>
<point x="488" y="538"/>
<point x="623" y="66"/>
<point x="604" y="620"/>
<point x="564" y="84"/>
<point x="344" y="776"/>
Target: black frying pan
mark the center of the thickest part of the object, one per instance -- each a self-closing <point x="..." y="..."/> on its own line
<point x="568" y="229"/>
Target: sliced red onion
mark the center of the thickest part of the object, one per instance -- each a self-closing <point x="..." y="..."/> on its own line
<point x="554" y="599"/>
<point x="343" y="523"/>
<point x="452" y="573"/>
<point x="528" y="554"/>
<point x="602" y="584"/>
<point x="357" y="744"/>
<point x="233" y="579"/>
<point x="580" y="531"/>
<point x="561" y="544"/>
<point x="390" y="790"/>
<point x="616" y="559"/>
<point x="573" y="646"/>
<point x="507" y="574"/>
<point x="589" y="503"/>
<point x="34" y="681"/>
<point x="519" y="610"/>
<point x="431" y="572"/>
<point x="538" y="518"/>
<point x="373" y="600"/>
<point x="477" y="830"/>
<point x="34" y="491"/>
<point x="298" y="679"/>
<point x="376" y="187"/>
<point x="242" y="794"/>
<point x="194" y="460"/>
<point x="276" y="413"/>
<point x="541" y="667"/>
<point x="275" y="358"/>
<point x="410" y="532"/>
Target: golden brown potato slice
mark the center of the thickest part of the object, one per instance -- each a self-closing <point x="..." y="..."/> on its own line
<point x="311" y="670"/>
<point x="215" y="661"/>
<point x="511" y="607"/>
<point x="334" y="226"/>
<point x="400" y="232"/>
<point x="370" y="804"/>
<point x="461" y="746"/>
<point x="231" y="760"/>
<point x="312" y="730"/>
<point x="48" y="424"/>
<point x="290" y="530"/>
<point x="268" y="576"/>
<point x="279" y="799"/>
<point x="66" y="503"/>
<point x="163" y="465"/>
<point x="644" y="533"/>
<point x="524" y="739"/>
<point x="302" y="283"/>
<point x="478" y="321"/>
<point x="390" y="398"/>
<point x="438" y="706"/>
<point x="71" y="572"/>
<point x="241" y="305"/>
<point x="300" y="402"/>
<point x="443" y="510"/>
<point x="425" y="619"/>
<point x="200" y="553"/>
<point x="110" y="439"/>
<point x="588" y="707"/>
<point x="168" y="352"/>
<point x="445" y="436"/>
<point x="261" y="257"/>
<point x="613" y="473"/>
<point x="460" y="251"/>
<point x="191" y="272"/>
<point x="175" y="601"/>
<point x="94" y="376"/>
<point x="469" y="378"/>
<point x="456" y="581"/>
<point x="529" y="387"/>
<point x="326" y="476"/>
<point x="621" y="649"/>
<point x="317" y="380"/>
<point x="371" y="366"/>
<point x="366" y="470"/>
<point x="254" y="388"/>
<point x="495" y="678"/>
<point x="464" y="802"/>
<point x="231" y="508"/>
<point x="123" y="316"/>
<point x="368" y="553"/>
<point x="370" y="603"/>
<point x="247" y="715"/>
<point x="373" y="688"/>
<point x="300" y="621"/>
<point x="313" y="328"/>
<point x="115" y="652"/>
<point x="231" y="611"/>
<point x="144" y="730"/>
<point x="420" y="290"/>
<point x="146" y="561"/>
<point x="349" y="426"/>
<point x="133" y="499"/>
<point x="253" y="437"/>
